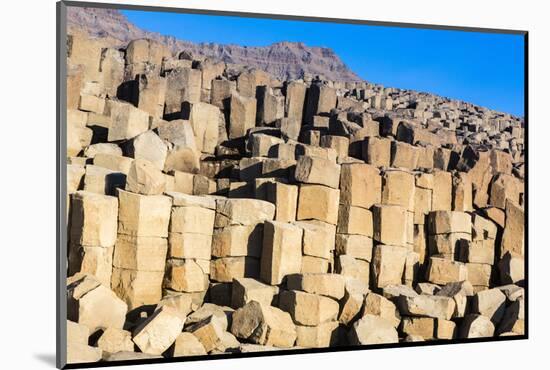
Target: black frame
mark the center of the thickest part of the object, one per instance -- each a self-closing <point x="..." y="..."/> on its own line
<point x="61" y="191"/>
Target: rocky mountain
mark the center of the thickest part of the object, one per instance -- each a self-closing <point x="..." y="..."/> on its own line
<point x="285" y="60"/>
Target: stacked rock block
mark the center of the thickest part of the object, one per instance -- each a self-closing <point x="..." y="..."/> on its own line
<point x="189" y="244"/>
<point x="140" y="251"/>
<point x="214" y="209"/>
<point x="93" y="233"/>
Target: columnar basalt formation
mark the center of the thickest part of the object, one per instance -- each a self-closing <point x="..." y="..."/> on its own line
<point x="214" y="209"/>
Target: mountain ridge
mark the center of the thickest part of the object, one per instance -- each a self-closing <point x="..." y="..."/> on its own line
<point x="284" y="59"/>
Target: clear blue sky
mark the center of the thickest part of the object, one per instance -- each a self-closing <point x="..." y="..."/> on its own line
<point x="485" y="69"/>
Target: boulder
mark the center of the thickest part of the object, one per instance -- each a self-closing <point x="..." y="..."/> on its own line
<point x="372" y="329"/>
<point x="264" y="324"/>
<point x="156" y="334"/>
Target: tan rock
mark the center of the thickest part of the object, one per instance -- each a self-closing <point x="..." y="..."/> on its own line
<point x="242" y="212"/>
<point x="330" y="285"/>
<point x="320" y="336"/>
<point x="450" y="245"/>
<point x="82" y="353"/>
<point x="372" y="329"/>
<point x="245" y="290"/>
<point x="479" y="274"/>
<point x="115" y="340"/>
<point x="377" y="151"/>
<point x="505" y="188"/>
<point x="206" y="310"/>
<point x="183" y="84"/>
<point x="124" y="356"/>
<point x="97" y="261"/>
<point x="295" y="97"/>
<point x="78" y="138"/>
<point x="442" y="191"/>
<point x="221" y="91"/>
<point x="398" y="189"/>
<point x="238" y="240"/>
<point x="102" y="180"/>
<point x="314" y="265"/>
<point x="358" y="246"/>
<point x="318" y="239"/>
<point x="476" y="326"/>
<point x="143" y="215"/>
<point x="140" y="253"/>
<point x="151" y="93"/>
<point x="319" y="171"/>
<point x="102" y="148"/>
<point x="204" y="119"/>
<point x="354" y="268"/>
<point x="352" y="303"/>
<point x="442" y="271"/>
<point x="285" y="199"/>
<point x="445" y="329"/>
<point x="319" y="99"/>
<point x="93" y="219"/>
<point x="75" y="173"/>
<point x="159" y="331"/>
<point x="91" y="304"/>
<point x="462" y="193"/>
<point x="444" y="222"/>
<point x="137" y="287"/>
<point x="185" y="276"/>
<point x="490" y="303"/>
<point x="114" y="162"/>
<point x="319" y="203"/>
<point x="360" y="185"/>
<point x="460" y="292"/>
<point x="183" y="156"/>
<point x="144" y="178"/>
<point x="483" y="228"/>
<point x="378" y="305"/>
<point x="412" y="265"/>
<point x="422" y="326"/>
<point x="354" y="220"/>
<point x="422" y="204"/>
<point x="190" y="245"/>
<point x="282" y="251"/>
<point x="196" y="220"/>
<point x="388" y="264"/>
<point x="181" y="302"/>
<point x="308" y="309"/>
<point x="187" y="344"/>
<point x="226" y="269"/>
<point x="126" y="121"/>
<point x="512" y="269"/>
<point x="404" y="155"/>
<point x="243" y="115"/>
<point x="149" y="146"/>
<point x="77" y="333"/>
<point x="514" y="230"/>
<point x="263" y="324"/>
<point x="389" y="224"/>
<point x="427" y="305"/>
<point x="210" y="332"/>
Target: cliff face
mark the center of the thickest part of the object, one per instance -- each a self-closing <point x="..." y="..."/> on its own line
<point x="284" y="60"/>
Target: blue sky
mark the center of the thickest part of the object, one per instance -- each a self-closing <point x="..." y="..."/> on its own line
<point x="482" y="68"/>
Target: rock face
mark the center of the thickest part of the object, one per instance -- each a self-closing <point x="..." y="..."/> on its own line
<point x="225" y="211"/>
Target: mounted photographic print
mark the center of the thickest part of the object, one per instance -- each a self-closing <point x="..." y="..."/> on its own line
<point x="235" y="184"/>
